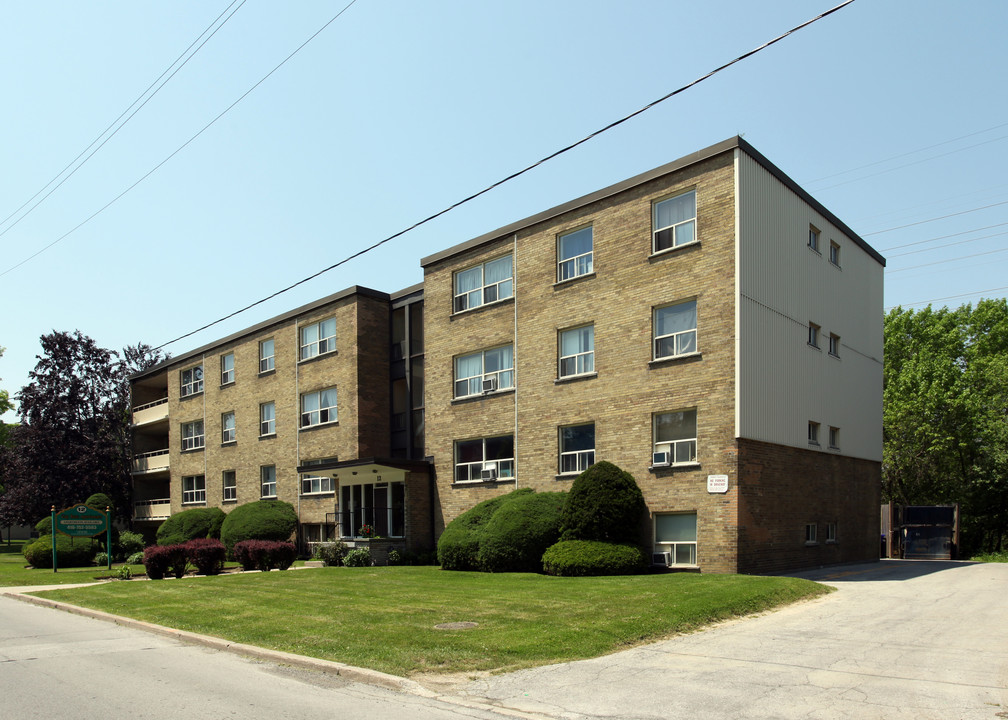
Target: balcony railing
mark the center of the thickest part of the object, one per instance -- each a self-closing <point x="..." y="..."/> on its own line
<point x="152" y="509"/>
<point x="150" y="461"/>
<point x="151" y="412"/>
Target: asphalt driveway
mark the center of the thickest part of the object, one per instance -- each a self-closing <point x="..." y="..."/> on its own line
<point x="899" y="639"/>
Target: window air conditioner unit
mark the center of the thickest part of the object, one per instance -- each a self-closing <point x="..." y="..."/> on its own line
<point x="489" y="471"/>
<point x="490" y="384"/>
<point x="661" y="558"/>
<point x="659" y="459"/>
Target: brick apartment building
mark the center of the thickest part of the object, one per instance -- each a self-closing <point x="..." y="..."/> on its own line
<point x="707" y="326"/>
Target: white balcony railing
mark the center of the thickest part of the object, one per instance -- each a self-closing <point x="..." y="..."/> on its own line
<point x="150" y="461"/>
<point x="151" y="412"/>
<point x="152" y="509"/>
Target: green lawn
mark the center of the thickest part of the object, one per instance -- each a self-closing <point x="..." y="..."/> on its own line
<point x="13" y="571"/>
<point x="384" y="618"/>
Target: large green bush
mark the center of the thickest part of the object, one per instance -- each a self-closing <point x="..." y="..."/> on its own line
<point x="70" y="552"/>
<point x="458" y="546"/>
<point x="572" y="558"/>
<point x="100" y="501"/>
<point x="516" y="536"/>
<point x="604" y="503"/>
<point x="190" y="525"/>
<point x="129" y="544"/>
<point x="260" y="520"/>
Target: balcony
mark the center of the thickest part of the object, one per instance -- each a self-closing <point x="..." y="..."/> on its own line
<point x="152" y="412"/>
<point x="152" y="509"/>
<point x="149" y="462"/>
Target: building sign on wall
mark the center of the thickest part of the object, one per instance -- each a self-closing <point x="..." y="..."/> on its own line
<point x="717" y="483"/>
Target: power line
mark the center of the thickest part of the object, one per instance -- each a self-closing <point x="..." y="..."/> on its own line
<point x="123" y="123"/>
<point x="514" y="175"/>
<point x="948" y="245"/>
<point x="943" y="237"/>
<point x="942" y="217"/>
<point x="947" y="260"/>
<point x="950" y="297"/>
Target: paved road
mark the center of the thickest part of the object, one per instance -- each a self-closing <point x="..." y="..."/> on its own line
<point x="899" y="639"/>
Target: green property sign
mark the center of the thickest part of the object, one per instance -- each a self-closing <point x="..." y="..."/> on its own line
<point x="82" y="521"/>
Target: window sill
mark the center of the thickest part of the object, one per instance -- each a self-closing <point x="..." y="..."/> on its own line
<point x="319" y="494"/>
<point x="229" y="443"/>
<point x="834" y="356"/>
<point x="816" y="250"/>
<point x="658" y="254"/>
<point x="320" y="356"/>
<point x="309" y="428"/>
<point x="195" y="503"/>
<point x="658" y="362"/>
<point x="575" y="378"/>
<point x="566" y="476"/>
<point x="478" y="483"/>
<point x="473" y="398"/>
<point x="563" y="283"/>
<point x="484" y="306"/>
<point x="267" y="497"/>
<point x="227" y="384"/>
<point x="834" y="448"/>
<point x="201" y="448"/>
<point x="670" y="468"/>
<point x="814" y="444"/>
<point x="811" y="543"/>
<point x="832" y="542"/>
<point x="229" y="502"/>
<point x="190" y="396"/>
<point x="267" y="437"/>
<point x="266" y="373"/>
<point x="814" y="347"/>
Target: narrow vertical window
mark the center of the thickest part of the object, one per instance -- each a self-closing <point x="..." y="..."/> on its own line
<point x="813" y="238"/>
<point x="673" y="222"/>
<point x="268" y="477"/>
<point x="227" y="369"/>
<point x="577" y="351"/>
<point x="228" y="431"/>
<point x="266" y="356"/>
<point x="230" y="482"/>
<point x="267" y="419"/>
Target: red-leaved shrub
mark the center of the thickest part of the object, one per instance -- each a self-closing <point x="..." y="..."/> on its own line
<point x="161" y="560"/>
<point x="207" y="554"/>
<point x="264" y="554"/>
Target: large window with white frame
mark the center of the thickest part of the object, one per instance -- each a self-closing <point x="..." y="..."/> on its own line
<point x="267" y="419"/>
<point x="484" y="284"/>
<point x="227" y="369"/>
<point x="192" y="435"/>
<point x="318" y="338"/>
<point x="675" y="330"/>
<point x="267" y="477"/>
<point x="266" y="356"/>
<point x="229" y="433"/>
<point x="489" y="458"/>
<point x="484" y="371"/>
<point x="577" y="448"/>
<point x="575" y="254"/>
<point x="191" y="381"/>
<point x="315" y="482"/>
<point x="673" y="222"/>
<point x="193" y="489"/>
<point x="676" y="534"/>
<point x="318" y="407"/>
<point x="229" y="479"/>
<point x="577" y="351"/>
<point x="675" y="437"/>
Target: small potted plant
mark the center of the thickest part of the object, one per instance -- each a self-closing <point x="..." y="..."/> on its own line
<point x="367" y="531"/>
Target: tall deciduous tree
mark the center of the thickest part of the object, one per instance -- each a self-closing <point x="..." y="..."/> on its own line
<point x="946" y="414"/>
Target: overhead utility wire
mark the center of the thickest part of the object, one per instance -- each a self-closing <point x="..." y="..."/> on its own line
<point x="512" y="176"/>
<point x="943" y="237"/>
<point x="181" y="147"/>
<point x="946" y="261"/>
<point x="942" y="217"/>
<point x="950" y="297"/>
<point x="113" y="123"/>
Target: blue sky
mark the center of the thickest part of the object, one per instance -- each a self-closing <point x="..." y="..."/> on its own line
<point x="890" y="113"/>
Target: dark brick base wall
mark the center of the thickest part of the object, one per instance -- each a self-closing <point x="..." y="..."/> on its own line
<point x="782" y="489"/>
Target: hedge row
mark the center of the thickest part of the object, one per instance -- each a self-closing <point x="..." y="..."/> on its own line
<point x="264" y="554"/>
<point x="575" y="558"/>
<point x="206" y="554"/>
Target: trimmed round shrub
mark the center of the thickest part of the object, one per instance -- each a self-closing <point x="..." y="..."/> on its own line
<point x="44" y="527"/>
<point x="516" y="536"/>
<point x="260" y="520"/>
<point x="358" y="557"/>
<point x="573" y="558"/>
<point x="207" y="554"/>
<point x="129" y="544"/>
<point x="100" y="501"/>
<point x="604" y="503"/>
<point x="458" y="546"/>
<point x="162" y="560"/>
<point x="70" y="552"/>
<point x="330" y="553"/>
<point x="189" y="525"/>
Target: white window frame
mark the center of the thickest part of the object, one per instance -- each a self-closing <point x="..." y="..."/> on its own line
<point x="575" y="266"/>
<point x="194" y="489"/>
<point x="192" y="435"/>
<point x="684" y="342"/>
<point x="813" y="433"/>
<point x="319" y="415"/>
<point x="267" y="421"/>
<point x="227" y="375"/>
<point x="191" y="381"/>
<point x="231" y="496"/>
<point x="228" y="434"/>
<point x="680" y="451"/>
<point x="267" y="363"/>
<point x="472" y="471"/>
<point x="834" y="253"/>
<point x="834" y="438"/>
<point x="811" y="534"/>
<point x="578" y="460"/>
<point x="673" y="229"/>
<point x="834" y="345"/>
<point x="583" y="362"/>
<point x="813" y="335"/>
<point x="831" y="532"/>
<point x="676" y="548"/>
<point x="317" y="485"/>
<point x="313" y="342"/>
<point x="267" y="481"/>
<point x="473" y="384"/>
<point x="813" y="237"/>
<point x="485" y="293"/>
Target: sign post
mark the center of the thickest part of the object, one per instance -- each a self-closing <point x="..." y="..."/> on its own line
<point x="82" y="521"/>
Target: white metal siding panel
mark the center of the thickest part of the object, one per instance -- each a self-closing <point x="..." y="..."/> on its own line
<point x="783" y="286"/>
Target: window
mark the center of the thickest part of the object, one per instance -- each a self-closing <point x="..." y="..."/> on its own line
<point x="192" y="381"/>
<point x="810" y="534"/>
<point x="192" y="435"/>
<point x="577" y="351"/>
<point x="227" y="373"/>
<point x="813" y="237"/>
<point x="267" y="474"/>
<point x="193" y="489"/>
<point x="676" y="534"/>
<point x="267" y="419"/>
<point x="381" y="506"/>
<point x="574" y="254"/>
<point x="834" y="253"/>
<point x="266" y="356"/>
<point x="484" y="284"/>
<point x="318" y="338"/>
<point x="834" y="345"/>
<point x="577" y="448"/>
<point x="228" y="432"/>
<point x="673" y="222"/>
<point x="831" y="532"/>
<point x="494" y="455"/>
<point x="675" y="330"/>
<point x="317" y="485"/>
<point x="230" y="481"/>
<point x="813" y="433"/>
<point x="675" y="433"/>
<point x="318" y="408"/>
<point x="484" y="372"/>
<point x="813" y="335"/>
<point x="834" y="438"/>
